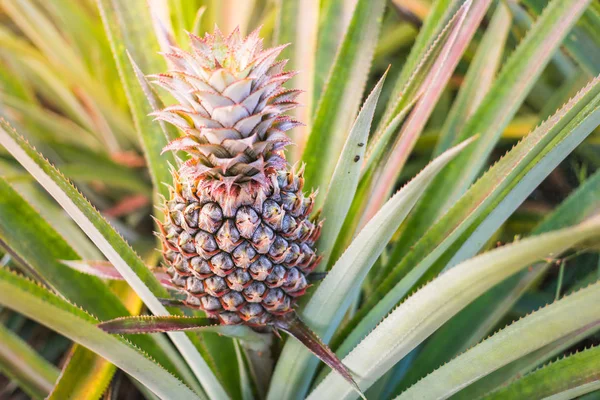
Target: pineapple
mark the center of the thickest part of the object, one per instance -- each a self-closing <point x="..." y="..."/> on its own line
<point x="237" y="236"/>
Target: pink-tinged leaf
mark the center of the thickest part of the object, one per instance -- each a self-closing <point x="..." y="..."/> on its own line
<point x="342" y="95"/>
<point x="155" y="324"/>
<point x="465" y="22"/>
<point x="295" y="327"/>
<point x="161" y="23"/>
<point x="127" y="206"/>
<point x="105" y="270"/>
<point x="100" y="269"/>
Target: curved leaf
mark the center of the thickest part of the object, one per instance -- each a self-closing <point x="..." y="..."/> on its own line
<point x="40" y="305"/>
<point x="112" y="245"/>
<point x="342" y="94"/>
<point x="573" y="313"/>
<point x="424" y="312"/>
<point x="344" y="181"/>
<point x="327" y="306"/>
<point x="19" y="362"/>
<point x="567" y="378"/>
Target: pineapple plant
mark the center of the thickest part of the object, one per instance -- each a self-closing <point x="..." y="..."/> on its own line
<point x="450" y="251"/>
<point x="237" y="234"/>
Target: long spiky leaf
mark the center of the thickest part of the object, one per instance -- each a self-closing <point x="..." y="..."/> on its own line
<point x="296" y="328"/>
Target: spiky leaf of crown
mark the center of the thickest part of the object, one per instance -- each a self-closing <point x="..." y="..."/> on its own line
<point x="231" y="105"/>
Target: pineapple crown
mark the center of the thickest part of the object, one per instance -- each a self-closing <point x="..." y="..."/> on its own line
<point x="231" y="104"/>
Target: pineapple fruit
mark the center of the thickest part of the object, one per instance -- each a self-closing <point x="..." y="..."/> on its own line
<point x="237" y="236"/>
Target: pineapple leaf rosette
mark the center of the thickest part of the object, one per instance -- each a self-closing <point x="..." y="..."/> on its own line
<point x="237" y="235"/>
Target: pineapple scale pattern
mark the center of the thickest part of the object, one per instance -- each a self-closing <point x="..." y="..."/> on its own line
<point x="237" y="236"/>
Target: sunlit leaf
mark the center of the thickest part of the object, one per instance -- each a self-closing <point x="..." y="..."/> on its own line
<point x="19" y="362"/>
<point x="342" y="94"/>
<point x="115" y="249"/>
<point x="569" y="377"/>
<point x="568" y="315"/>
<point x="425" y="311"/>
<point x="40" y="305"/>
<point x="327" y="306"/>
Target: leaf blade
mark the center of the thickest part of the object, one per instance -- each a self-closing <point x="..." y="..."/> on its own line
<point x="346" y="174"/>
<point x="530" y="333"/>
<point x="129" y="29"/>
<point x="327" y="306"/>
<point x="36" y="303"/>
<point x="19" y="362"/>
<point x="341" y="96"/>
<point x="112" y="245"/>
<point x="562" y="377"/>
<point x="425" y="311"/>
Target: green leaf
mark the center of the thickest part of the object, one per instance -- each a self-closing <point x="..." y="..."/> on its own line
<point x="493" y="198"/>
<point x="112" y="245"/>
<point x="85" y="376"/>
<point x="461" y="30"/>
<point x="498" y="107"/>
<point x="20" y="363"/>
<point x="566" y="316"/>
<point x="333" y="22"/>
<point x="582" y="43"/>
<point x="42" y="306"/>
<point x="424" y="312"/>
<point x="245" y="381"/>
<point x="331" y="300"/>
<point x="342" y="94"/>
<point x="567" y="378"/>
<point x="433" y="27"/>
<point x="36" y="244"/>
<point x="297" y="24"/>
<point x="518" y="368"/>
<point x="344" y="181"/>
<point x="485" y="313"/>
<point x="479" y="77"/>
<point x="129" y="29"/>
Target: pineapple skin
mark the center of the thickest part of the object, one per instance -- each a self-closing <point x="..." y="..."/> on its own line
<point x="237" y="237"/>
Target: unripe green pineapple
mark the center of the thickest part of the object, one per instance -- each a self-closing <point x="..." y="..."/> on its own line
<point x="237" y="235"/>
